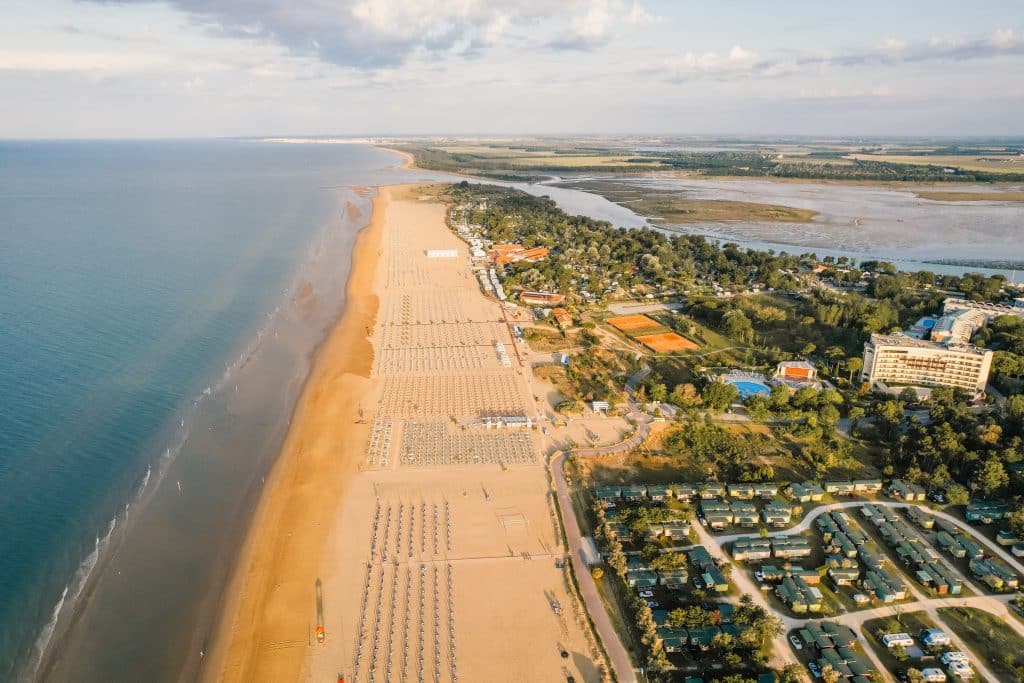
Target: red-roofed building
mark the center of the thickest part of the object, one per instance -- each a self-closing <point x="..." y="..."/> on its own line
<point x="562" y="317"/>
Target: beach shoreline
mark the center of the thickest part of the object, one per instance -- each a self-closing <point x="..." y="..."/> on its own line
<point x="394" y="506"/>
<point x="345" y="351"/>
<point x="408" y="161"/>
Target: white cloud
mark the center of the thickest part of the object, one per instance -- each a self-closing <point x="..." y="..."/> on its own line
<point x="105" y="62"/>
<point x="592" y="26"/>
<point x="19" y="60"/>
<point x="638" y="16"/>
<point x="368" y="34"/>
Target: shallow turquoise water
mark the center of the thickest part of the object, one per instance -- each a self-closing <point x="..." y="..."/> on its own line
<point x="136" y="279"/>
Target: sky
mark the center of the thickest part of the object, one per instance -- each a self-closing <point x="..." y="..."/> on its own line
<point x="202" y="68"/>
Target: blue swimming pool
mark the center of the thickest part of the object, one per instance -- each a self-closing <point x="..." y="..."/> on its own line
<point x="749" y="388"/>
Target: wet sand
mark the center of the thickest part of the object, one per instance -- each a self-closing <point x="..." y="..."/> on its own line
<point x="264" y="626"/>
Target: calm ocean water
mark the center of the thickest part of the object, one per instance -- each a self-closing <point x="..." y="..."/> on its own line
<point x="148" y="327"/>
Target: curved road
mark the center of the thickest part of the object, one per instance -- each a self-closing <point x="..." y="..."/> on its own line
<point x="621" y="664"/>
<point x="994" y="604"/>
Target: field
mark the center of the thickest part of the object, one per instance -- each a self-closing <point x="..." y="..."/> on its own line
<point x="984" y="633"/>
<point x="939" y="196"/>
<point x="627" y="323"/>
<point x="480" y="158"/>
<point x="909" y="622"/>
<point x="990" y="164"/>
<point x="666" y="342"/>
<point x="673" y="208"/>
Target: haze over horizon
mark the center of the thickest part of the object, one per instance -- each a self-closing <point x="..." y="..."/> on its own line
<point x="199" y="68"/>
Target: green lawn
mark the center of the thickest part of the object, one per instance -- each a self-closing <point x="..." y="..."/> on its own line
<point x="1000" y="647"/>
<point x="909" y="622"/>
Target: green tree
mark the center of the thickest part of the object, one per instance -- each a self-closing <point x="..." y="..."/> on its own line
<point x="738" y="326"/>
<point x="856" y="415"/>
<point x="908" y="395"/>
<point x="684" y="396"/>
<point x="854" y="365"/>
<point x="718" y="396"/>
<point x="991" y="477"/>
<point x="957" y="494"/>
<point x="791" y="673"/>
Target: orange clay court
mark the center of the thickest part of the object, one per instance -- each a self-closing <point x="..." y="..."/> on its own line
<point x="667" y="341"/>
<point x="632" y="322"/>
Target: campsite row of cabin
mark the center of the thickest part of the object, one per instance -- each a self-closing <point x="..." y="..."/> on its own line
<point x="836" y="647"/>
<point x="710" y="573"/>
<point x="809" y="491"/>
<point x="926" y="564"/>
<point x="676" y="640"/>
<point x="799" y="596"/>
<point x="640" y="575"/>
<point x="848" y="549"/>
<point x="801" y="492"/>
<point x="752" y="549"/>
<point x="994" y="574"/>
<point x="951" y="540"/>
<point x="985" y="511"/>
<point x="905" y="491"/>
<point x="683" y="492"/>
<point x="677" y="528"/>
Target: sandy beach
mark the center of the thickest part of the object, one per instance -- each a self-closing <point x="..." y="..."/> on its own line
<point x="420" y="538"/>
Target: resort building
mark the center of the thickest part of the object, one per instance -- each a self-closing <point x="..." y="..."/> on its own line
<point x="900" y="360"/>
<point x="993" y="311"/>
<point x="541" y="298"/>
<point x="796" y="371"/>
<point x="511" y="253"/>
<point x="562" y="317"/>
<point x="958" y="326"/>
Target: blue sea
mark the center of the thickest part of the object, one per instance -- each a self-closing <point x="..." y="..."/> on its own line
<point x="153" y="340"/>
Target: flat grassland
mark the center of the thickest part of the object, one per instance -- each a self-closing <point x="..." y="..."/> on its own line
<point x="626" y="323"/>
<point x="667" y="341"/>
<point x="990" y="164"/>
<point x="671" y="209"/>
<point x="940" y="196"/>
<point x="1000" y="647"/>
<point x="491" y="157"/>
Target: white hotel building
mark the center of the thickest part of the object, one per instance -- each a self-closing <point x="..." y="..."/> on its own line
<point x="900" y="360"/>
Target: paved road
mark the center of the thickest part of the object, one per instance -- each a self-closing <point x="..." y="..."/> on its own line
<point x="620" y="661"/>
<point x="641" y="419"/>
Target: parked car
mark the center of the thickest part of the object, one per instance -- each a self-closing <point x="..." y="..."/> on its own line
<point x="814" y="669"/>
<point x="646" y="594"/>
<point x="653" y="603"/>
<point x="797" y="645"/>
<point x="697" y="583"/>
<point x="759" y="575"/>
<point x="938" y="497"/>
